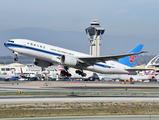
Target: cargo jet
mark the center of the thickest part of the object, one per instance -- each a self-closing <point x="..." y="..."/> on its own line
<point x="46" y="55"/>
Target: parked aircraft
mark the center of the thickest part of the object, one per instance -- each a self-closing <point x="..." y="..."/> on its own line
<point x="27" y="76"/>
<point x="147" y="76"/>
<point x="46" y="55"/>
<point x="139" y="77"/>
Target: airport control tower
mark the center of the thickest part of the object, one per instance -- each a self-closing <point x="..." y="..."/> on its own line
<point x="95" y="31"/>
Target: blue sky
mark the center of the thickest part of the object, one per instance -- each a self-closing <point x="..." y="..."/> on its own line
<point x="118" y="17"/>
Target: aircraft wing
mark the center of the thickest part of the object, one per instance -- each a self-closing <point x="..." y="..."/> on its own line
<point x="92" y="60"/>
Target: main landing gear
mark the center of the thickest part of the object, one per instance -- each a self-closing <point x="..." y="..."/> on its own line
<point x="80" y="72"/>
<point x="65" y="73"/>
<point x="16" y="56"/>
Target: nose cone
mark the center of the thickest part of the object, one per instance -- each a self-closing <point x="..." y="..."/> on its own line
<point x="6" y="44"/>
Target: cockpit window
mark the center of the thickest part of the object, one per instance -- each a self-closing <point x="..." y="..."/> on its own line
<point x="11" y="41"/>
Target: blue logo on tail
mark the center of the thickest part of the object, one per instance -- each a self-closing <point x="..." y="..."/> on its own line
<point x="130" y="60"/>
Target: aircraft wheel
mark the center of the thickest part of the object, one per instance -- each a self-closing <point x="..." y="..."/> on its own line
<point x="78" y="71"/>
<point x="69" y="75"/>
<point x="83" y="74"/>
<point x="15" y="59"/>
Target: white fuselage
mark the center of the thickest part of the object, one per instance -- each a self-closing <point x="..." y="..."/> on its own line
<point x="53" y="54"/>
<point x="127" y="77"/>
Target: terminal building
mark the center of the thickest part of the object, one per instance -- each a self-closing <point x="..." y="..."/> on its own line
<point x="28" y="69"/>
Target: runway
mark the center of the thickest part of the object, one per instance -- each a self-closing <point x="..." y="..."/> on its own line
<point x="67" y="87"/>
<point x="109" y="117"/>
<point x="117" y="95"/>
<point x="71" y="98"/>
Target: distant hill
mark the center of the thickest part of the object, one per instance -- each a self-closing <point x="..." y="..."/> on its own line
<point x="21" y="59"/>
<point x="78" y="41"/>
<point x="144" y="59"/>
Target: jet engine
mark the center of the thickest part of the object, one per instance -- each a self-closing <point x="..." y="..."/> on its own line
<point x="42" y="63"/>
<point x="69" y="60"/>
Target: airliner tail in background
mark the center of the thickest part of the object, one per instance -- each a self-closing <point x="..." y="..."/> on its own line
<point x="63" y="72"/>
<point x="150" y="74"/>
<point x="61" y="68"/>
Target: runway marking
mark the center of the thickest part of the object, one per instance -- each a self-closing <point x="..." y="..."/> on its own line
<point x="81" y="83"/>
<point x="32" y="85"/>
<point x="137" y="100"/>
<point x="68" y="101"/>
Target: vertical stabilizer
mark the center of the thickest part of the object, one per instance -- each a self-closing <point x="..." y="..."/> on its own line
<point x="61" y="68"/>
<point x="147" y="73"/>
<point x="130" y="60"/>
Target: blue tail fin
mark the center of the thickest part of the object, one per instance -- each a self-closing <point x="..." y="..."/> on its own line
<point x="130" y="60"/>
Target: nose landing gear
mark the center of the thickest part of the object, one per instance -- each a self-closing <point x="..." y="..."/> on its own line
<point x="16" y="56"/>
<point x="15" y="59"/>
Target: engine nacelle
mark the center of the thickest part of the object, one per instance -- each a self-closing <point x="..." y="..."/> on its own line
<point x="69" y="60"/>
<point x="42" y="63"/>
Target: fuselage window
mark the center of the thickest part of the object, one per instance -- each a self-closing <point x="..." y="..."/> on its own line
<point x="28" y="43"/>
<point x="11" y="41"/>
<point x="40" y="46"/>
<point x="44" y="47"/>
<point x="31" y="44"/>
<point x="34" y="44"/>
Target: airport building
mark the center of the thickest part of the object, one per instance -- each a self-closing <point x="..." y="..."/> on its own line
<point x="29" y="69"/>
<point x="95" y="31"/>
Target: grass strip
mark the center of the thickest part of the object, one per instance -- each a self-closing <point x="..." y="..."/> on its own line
<point x="77" y="93"/>
<point x="77" y="109"/>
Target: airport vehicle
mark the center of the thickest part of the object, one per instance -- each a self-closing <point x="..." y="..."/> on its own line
<point x="22" y="79"/>
<point x="46" y="55"/>
<point x="9" y="77"/>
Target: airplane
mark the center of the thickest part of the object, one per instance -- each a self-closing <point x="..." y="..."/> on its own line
<point x="147" y="76"/>
<point x="139" y="77"/>
<point x="72" y="75"/>
<point x="46" y="55"/>
<point x="26" y="76"/>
